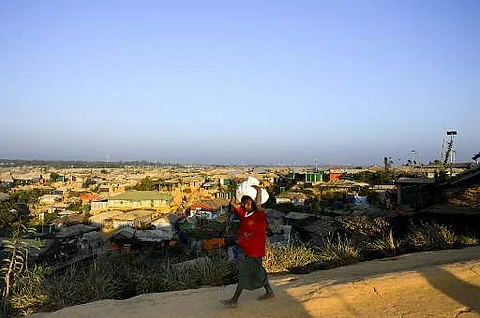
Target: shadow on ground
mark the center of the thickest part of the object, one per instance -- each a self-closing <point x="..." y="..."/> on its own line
<point x="462" y="292"/>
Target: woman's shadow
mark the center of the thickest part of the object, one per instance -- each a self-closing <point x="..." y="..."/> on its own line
<point x="447" y="283"/>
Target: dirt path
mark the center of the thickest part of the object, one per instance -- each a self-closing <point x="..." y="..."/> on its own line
<point x="429" y="284"/>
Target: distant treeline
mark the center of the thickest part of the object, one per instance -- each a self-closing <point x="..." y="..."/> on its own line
<point x="82" y="163"/>
<point x="96" y="164"/>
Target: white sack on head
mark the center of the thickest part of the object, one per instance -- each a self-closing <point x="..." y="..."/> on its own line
<point x="251" y="181"/>
<point x="245" y="189"/>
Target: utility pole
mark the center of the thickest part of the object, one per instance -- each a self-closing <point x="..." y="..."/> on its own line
<point x="452" y="134"/>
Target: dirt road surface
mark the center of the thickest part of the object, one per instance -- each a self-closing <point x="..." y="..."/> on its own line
<point x="428" y="284"/>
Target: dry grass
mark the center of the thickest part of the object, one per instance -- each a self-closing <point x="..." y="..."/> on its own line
<point x="430" y="236"/>
<point x="467" y="240"/>
<point x="385" y="245"/>
<point x="79" y="285"/>
<point x="339" y="252"/>
<point x="284" y="258"/>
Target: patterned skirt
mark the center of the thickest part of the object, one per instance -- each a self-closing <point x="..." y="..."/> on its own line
<point x="251" y="274"/>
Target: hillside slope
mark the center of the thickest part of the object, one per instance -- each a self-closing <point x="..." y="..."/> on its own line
<point x="428" y="284"/>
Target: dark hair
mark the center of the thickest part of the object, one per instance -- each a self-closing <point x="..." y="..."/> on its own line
<point x="254" y="206"/>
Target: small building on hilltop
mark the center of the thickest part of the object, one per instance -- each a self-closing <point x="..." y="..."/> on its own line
<point x="129" y="200"/>
<point x="140" y="200"/>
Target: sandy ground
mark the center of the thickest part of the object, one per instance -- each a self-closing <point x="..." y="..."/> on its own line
<point x="429" y="284"/>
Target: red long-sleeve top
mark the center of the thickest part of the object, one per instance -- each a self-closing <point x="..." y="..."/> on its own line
<point x="252" y="233"/>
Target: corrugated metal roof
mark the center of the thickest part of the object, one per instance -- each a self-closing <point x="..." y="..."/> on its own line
<point x="99" y="218"/>
<point x="75" y="230"/>
<point x="133" y="215"/>
<point x="142" y="195"/>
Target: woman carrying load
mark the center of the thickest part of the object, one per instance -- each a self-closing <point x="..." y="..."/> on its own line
<point x="252" y="236"/>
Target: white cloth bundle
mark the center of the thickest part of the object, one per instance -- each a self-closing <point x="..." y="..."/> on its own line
<point x="245" y="188"/>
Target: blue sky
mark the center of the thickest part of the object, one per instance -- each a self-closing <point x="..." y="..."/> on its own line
<point x="240" y="82"/>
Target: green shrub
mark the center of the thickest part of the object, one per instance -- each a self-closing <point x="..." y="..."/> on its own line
<point x="429" y="236"/>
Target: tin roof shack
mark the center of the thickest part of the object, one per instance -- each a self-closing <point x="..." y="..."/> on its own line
<point x="298" y="218"/>
<point x="167" y="226"/>
<point x="319" y="231"/>
<point x="66" y="245"/>
<point x="154" y="235"/>
<point x="415" y="193"/>
<point x="297" y="221"/>
<point x="275" y="221"/>
<point x="68" y="220"/>
<point x="195" y="230"/>
<point x="157" y="239"/>
<point x="277" y="231"/>
<point x="91" y="242"/>
<point x="104" y="220"/>
<point x="135" y="219"/>
<point x="168" y="221"/>
<point x="74" y="231"/>
<point x="282" y="237"/>
<point x="295" y="198"/>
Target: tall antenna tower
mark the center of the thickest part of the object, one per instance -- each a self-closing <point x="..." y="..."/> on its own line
<point x="449" y="153"/>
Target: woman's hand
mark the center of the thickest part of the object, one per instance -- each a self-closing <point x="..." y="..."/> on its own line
<point x="258" y="197"/>
<point x="233" y="201"/>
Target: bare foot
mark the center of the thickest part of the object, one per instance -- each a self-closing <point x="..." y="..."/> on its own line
<point x="266" y="296"/>
<point x="229" y="303"/>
